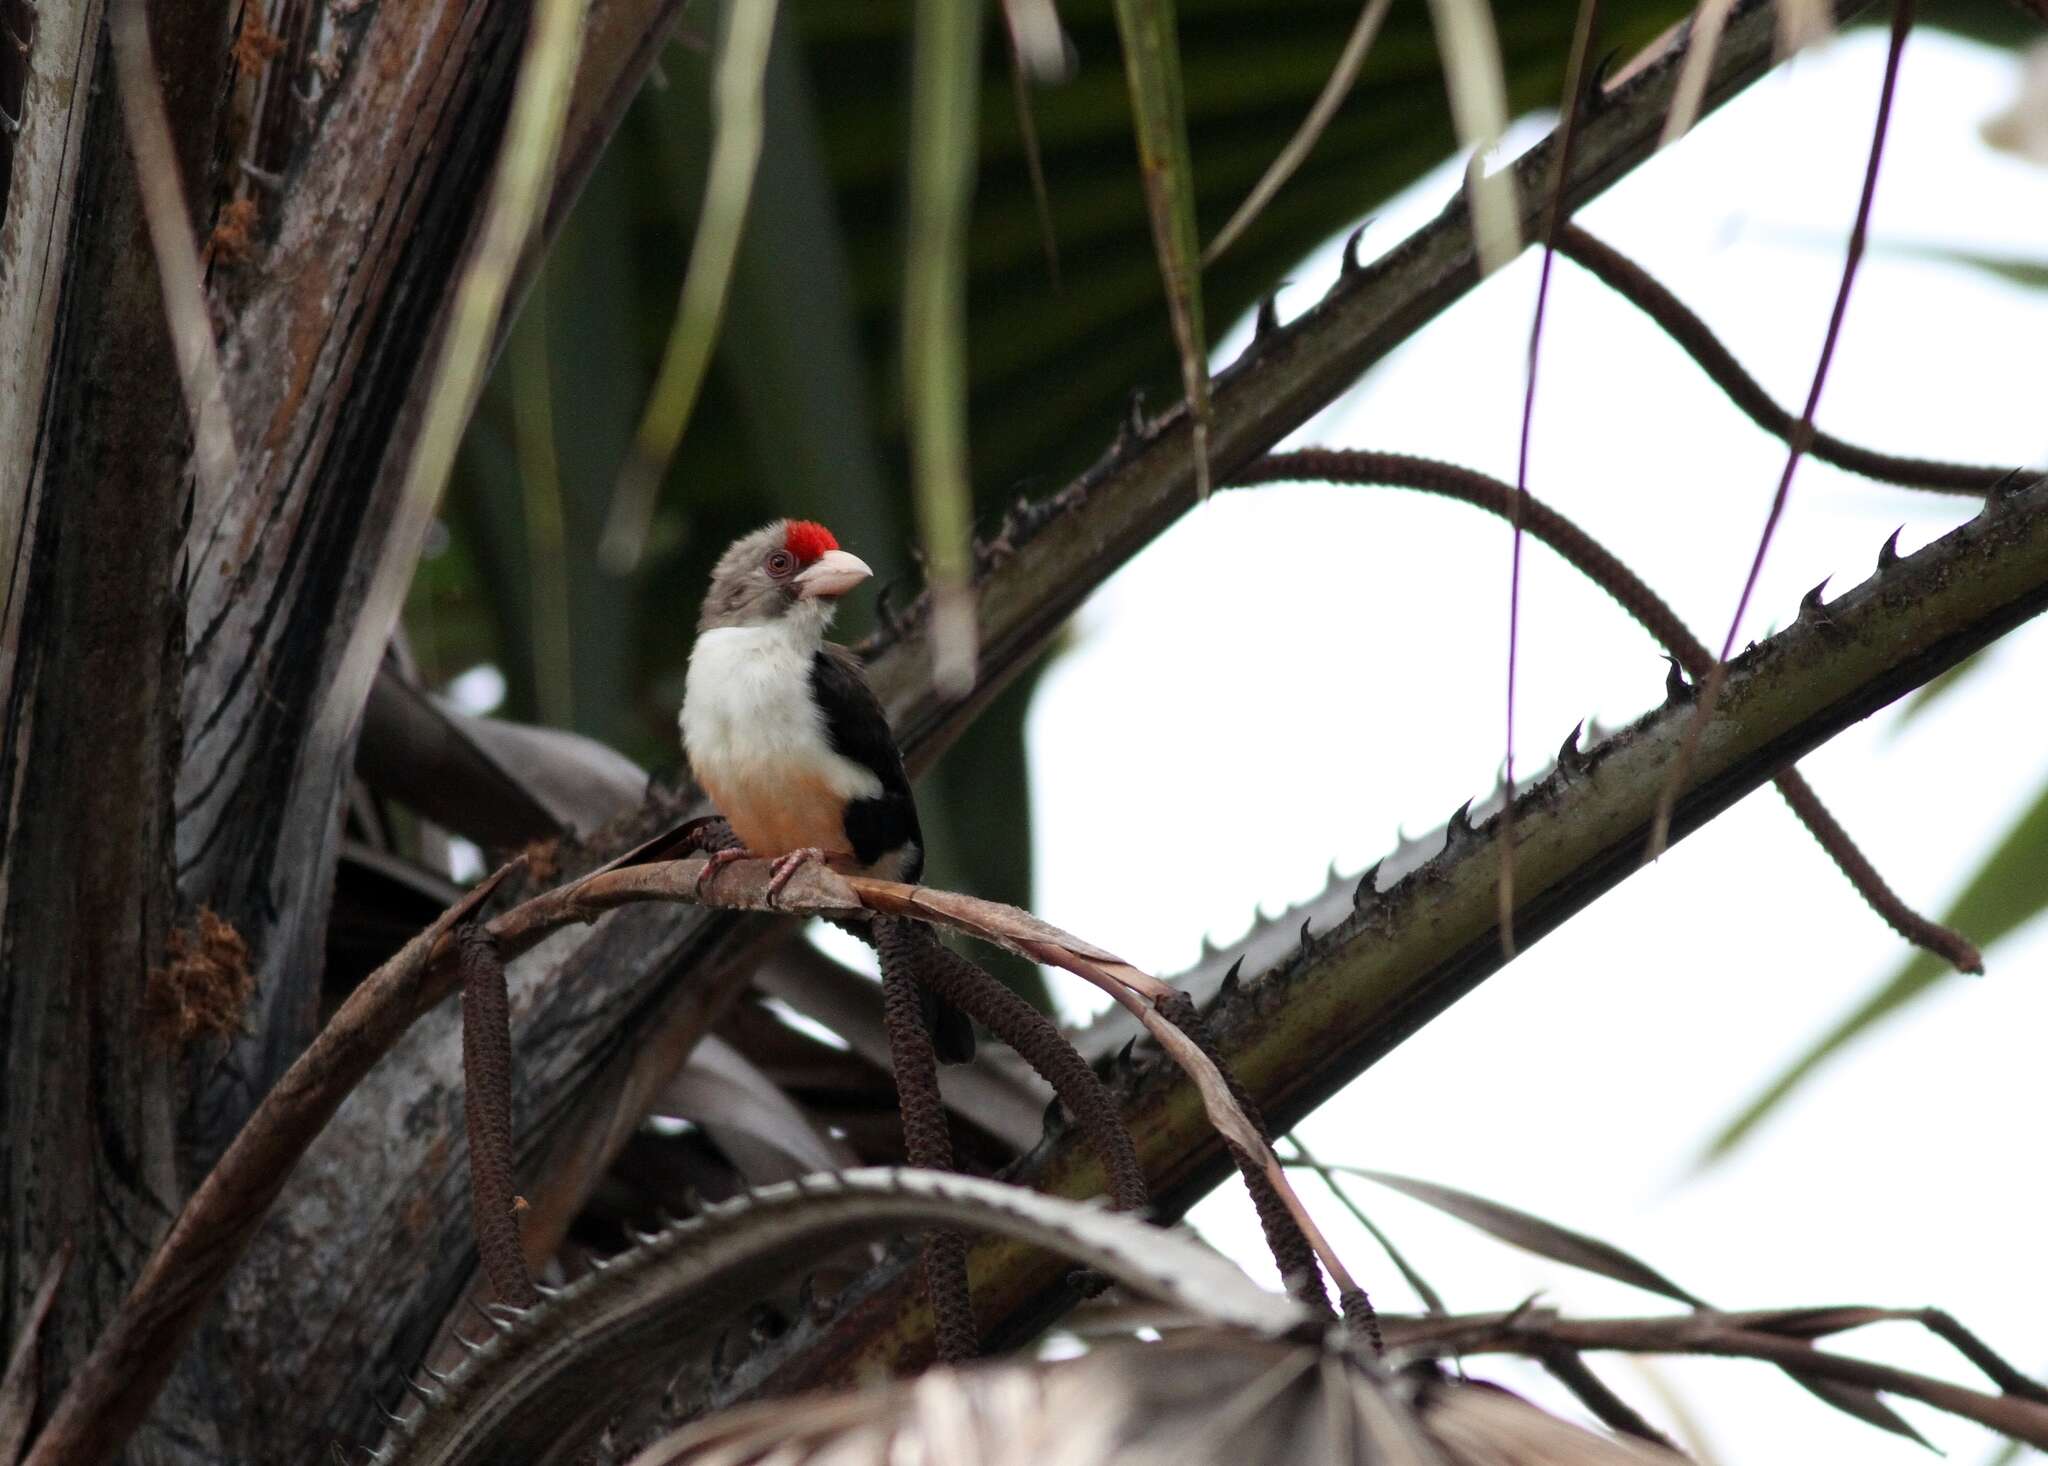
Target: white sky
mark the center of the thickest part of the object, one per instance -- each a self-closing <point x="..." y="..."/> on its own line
<point x="1330" y="662"/>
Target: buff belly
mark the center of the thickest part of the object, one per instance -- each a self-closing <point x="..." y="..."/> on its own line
<point x="794" y="813"/>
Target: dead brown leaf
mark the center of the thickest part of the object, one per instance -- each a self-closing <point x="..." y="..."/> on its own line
<point x="203" y="991"/>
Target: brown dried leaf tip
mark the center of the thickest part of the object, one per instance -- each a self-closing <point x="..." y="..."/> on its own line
<point x="204" y="990"/>
<point x="257" y="45"/>
<point x="234" y="238"/>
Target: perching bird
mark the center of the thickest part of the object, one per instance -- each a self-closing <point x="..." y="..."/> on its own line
<point x="784" y="733"/>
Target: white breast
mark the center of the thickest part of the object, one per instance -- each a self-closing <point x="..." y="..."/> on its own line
<point x="750" y="727"/>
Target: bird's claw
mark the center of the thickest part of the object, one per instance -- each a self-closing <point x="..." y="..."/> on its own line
<point x="786" y="867"/>
<point x="717" y="861"/>
<point x="707" y="834"/>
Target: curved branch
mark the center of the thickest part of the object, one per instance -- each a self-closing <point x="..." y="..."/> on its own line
<point x="1696" y="338"/>
<point x="1777" y="1337"/>
<point x="1944" y="942"/>
<point x="1591" y="559"/>
<point x="1039" y="1042"/>
<point x="1286" y="1236"/>
<point x="131" y="1359"/>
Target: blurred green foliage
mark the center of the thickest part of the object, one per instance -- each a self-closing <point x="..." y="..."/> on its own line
<point x="802" y="414"/>
<point x="2009" y="890"/>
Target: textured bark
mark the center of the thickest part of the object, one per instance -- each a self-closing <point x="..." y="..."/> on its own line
<point x="372" y="1235"/>
<point x="131" y="1360"/>
<point x="331" y="320"/>
<point x="159" y="656"/>
<point x="89" y="683"/>
<point x="331" y="331"/>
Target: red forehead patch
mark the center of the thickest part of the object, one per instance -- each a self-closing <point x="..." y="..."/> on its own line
<point x="807" y="541"/>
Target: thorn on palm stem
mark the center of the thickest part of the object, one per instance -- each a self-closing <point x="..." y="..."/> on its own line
<point x="1676" y="688"/>
<point x="1599" y="565"/>
<point x="1569" y="755"/>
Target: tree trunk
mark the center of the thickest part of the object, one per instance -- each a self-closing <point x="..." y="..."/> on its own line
<point x="162" y="652"/>
<point x="95" y="507"/>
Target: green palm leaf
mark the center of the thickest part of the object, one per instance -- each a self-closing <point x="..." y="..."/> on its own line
<point x="2009" y="889"/>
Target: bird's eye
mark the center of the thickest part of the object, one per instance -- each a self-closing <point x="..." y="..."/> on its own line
<point x="781" y="562"/>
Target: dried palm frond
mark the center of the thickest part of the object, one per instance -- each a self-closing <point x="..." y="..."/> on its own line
<point x="1203" y="1397"/>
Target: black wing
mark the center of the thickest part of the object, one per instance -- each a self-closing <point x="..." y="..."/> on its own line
<point x="858" y="729"/>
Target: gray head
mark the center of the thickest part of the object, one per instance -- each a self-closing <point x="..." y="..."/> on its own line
<point x="789" y="567"/>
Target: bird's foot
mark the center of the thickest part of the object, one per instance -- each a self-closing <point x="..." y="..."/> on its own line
<point x="710" y="834"/>
<point x="786" y="867"/>
<point x="716" y="862"/>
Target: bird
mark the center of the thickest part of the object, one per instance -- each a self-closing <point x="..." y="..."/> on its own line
<point x="784" y="735"/>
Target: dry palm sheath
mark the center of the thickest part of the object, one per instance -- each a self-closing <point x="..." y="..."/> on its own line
<point x="552" y="1376"/>
<point x="549" y="1379"/>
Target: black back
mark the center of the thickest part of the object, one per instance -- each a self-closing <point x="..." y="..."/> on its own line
<point x="858" y="729"/>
